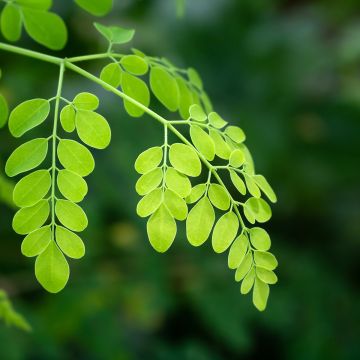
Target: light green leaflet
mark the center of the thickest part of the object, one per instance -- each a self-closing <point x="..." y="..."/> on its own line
<point x="161" y="229"/>
<point x="200" y="222"/>
<point x="203" y="142"/>
<point x="32" y="188"/>
<point x="225" y="232"/>
<point x="260" y="294"/>
<point x="111" y="74"/>
<point x="69" y="243"/>
<point x="265" y="260"/>
<point x="115" y="34"/>
<point x="216" y="120"/>
<point x="238" y="182"/>
<point x="28" y="115"/>
<point x="71" y="185"/>
<point x="222" y="149"/>
<point x="257" y="210"/>
<point x="219" y="197"/>
<point x="235" y="133"/>
<point x="185" y="98"/>
<point x="267" y="276"/>
<point x="194" y="77"/>
<point x="260" y="239"/>
<point x="149" y="203"/>
<point x="75" y="157"/>
<point x="251" y="186"/>
<point x="196" y="193"/>
<point x="134" y="64"/>
<point x="11" y="22"/>
<point x="51" y="269"/>
<point x="4" y="111"/>
<point x="176" y="205"/>
<point x="96" y="7"/>
<point x="27" y="156"/>
<point x="36" y="242"/>
<point x="185" y="159"/>
<point x="149" y="181"/>
<point x="149" y="160"/>
<point x="177" y="182"/>
<point x="238" y="251"/>
<point x="67" y="118"/>
<point x="86" y="101"/>
<point x="248" y="282"/>
<point x="93" y="129"/>
<point x="237" y="158"/>
<point x="71" y="215"/>
<point x="197" y="113"/>
<point x="165" y="88"/>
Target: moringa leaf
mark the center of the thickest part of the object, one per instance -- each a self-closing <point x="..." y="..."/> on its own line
<point x="115" y="34"/>
<point x="251" y="186"/>
<point x="136" y="89"/>
<point x="11" y="22"/>
<point x="185" y="159"/>
<point x="203" y="142"/>
<point x="86" y="101"/>
<point x="177" y="182"/>
<point x="260" y="294"/>
<point x="4" y="111"/>
<point x="194" y="78"/>
<point x="51" y="269"/>
<point x="267" y="276"/>
<point x="93" y="129"/>
<point x="197" y="113"/>
<point x="111" y="74"/>
<point x="176" y="205"/>
<point x="31" y="218"/>
<point x="134" y="64"/>
<point x="149" y="160"/>
<point x="265" y="259"/>
<point x="75" y="157"/>
<point x="46" y="28"/>
<point x="71" y="185"/>
<point x="71" y="215"/>
<point x="164" y="87"/>
<point x="260" y="239"/>
<point x="235" y="133"/>
<point x="36" y="242"/>
<point x="69" y="243"/>
<point x="35" y="4"/>
<point x="244" y="267"/>
<point x="225" y="231"/>
<point x="32" y="188"/>
<point x="96" y="7"/>
<point x="237" y="158"/>
<point x="28" y="115"/>
<point x="238" y="182"/>
<point x="222" y="149"/>
<point x="150" y="203"/>
<point x="216" y="120"/>
<point x="265" y="187"/>
<point x="67" y="118"/>
<point x="238" y="251"/>
<point x="219" y="196"/>
<point x="196" y="193"/>
<point x="161" y="229"/>
<point x="257" y="209"/>
<point x="149" y="181"/>
<point x="200" y="222"/>
<point x="185" y="98"/>
<point x="27" y="156"/>
<point x="248" y="282"/>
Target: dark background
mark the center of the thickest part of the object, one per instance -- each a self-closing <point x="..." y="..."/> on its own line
<point x="288" y="73"/>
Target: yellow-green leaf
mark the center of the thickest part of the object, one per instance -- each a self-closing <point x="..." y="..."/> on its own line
<point x="71" y="215"/>
<point x="225" y="231"/>
<point x="36" y="242"/>
<point x="69" y="243"/>
<point x="185" y="159"/>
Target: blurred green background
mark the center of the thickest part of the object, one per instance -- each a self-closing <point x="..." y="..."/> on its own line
<point x="288" y="73"/>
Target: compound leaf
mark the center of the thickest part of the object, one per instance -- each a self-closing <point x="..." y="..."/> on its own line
<point x="51" y="269"/>
<point x="28" y="115"/>
<point x="161" y="229"/>
<point x="75" y="157"/>
<point x="185" y="159"/>
<point x="27" y="156"/>
<point x="32" y="188"/>
<point x="199" y="222"/>
<point x="31" y="218"/>
<point x="235" y="134"/>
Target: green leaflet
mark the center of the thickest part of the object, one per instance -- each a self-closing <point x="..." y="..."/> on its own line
<point x="177" y="182"/>
<point x="35" y="4"/>
<point x="203" y="142"/>
<point x="260" y="294"/>
<point x="28" y="115"/>
<point x="115" y="34"/>
<point x="136" y="89"/>
<point x="197" y="113"/>
<point x="36" y="242"/>
<point x="238" y="251"/>
<point x="185" y="98"/>
<point x="237" y="158"/>
<point x="31" y="218"/>
<point x="225" y="231"/>
<point x="149" y="181"/>
<point x="69" y="243"/>
<point x="71" y="185"/>
<point x="257" y="210"/>
<point x="260" y="239"/>
<point x="248" y="282"/>
<point x="11" y="22"/>
<point x="265" y="259"/>
<point x="75" y="157"/>
<point x="111" y="74"/>
<point x="46" y="28"/>
<point x="265" y="187"/>
<point x="176" y="205"/>
<point x="196" y="193"/>
<point x="161" y="229"/>
<point x="219" y="197"/>
<point x="67" y="118"/>
<point x="244" y="267"/>
<point x="238" y="182"/>
<point x="216" y="120"/>
<point x="185" y="159"/>
<point x="71" y="215"/>
<point x="134" y="64"/>
<point x="26" y="157"/>
<point x="32" y="188"/>
<point x="199" y="222"/>
<point x="86" y="101"/>
<point x="164" y="87"/>
<point x="93" y="129"/>
<point x="235" y="133"/>
<point x="149" y="160"/>
<point x="251" y="186"/>
<point x="149" y="203"/>
<point x="267" y="276"/>
<point x="51" y="269"/>
<point x="4" y="111"/>
<point x="222" y="149"/>
<point x="96" y="7"/>
<point x="194" y="78"/>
